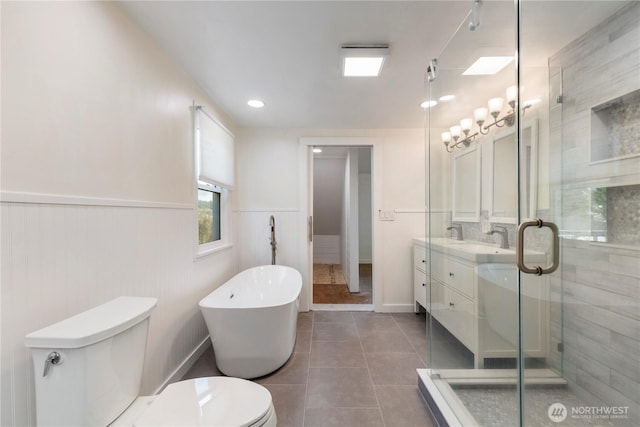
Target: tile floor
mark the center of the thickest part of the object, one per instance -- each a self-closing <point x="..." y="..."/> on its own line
<point x="348" y="369"/>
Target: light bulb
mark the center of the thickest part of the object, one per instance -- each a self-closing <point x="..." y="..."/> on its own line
<point x="455" y="131"/>
<point x="512" y="93"/>
<point x="446" y="138"/>
<point x="466" y="124"/>
<point x="480" y="114"/>
<point x="495" y="106"/>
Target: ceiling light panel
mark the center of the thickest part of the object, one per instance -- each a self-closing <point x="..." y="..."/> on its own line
<point x="362" y="67"/>
<point x="363" y="61"/>
<point x="487" y="65"/>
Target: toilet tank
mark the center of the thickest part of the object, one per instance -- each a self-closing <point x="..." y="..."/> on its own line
<point x="101" y="355"/>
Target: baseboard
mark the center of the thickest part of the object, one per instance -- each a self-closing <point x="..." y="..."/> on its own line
<point x="342" y="307"/>
<point x="186" y="364"/>
<point x="398" y="308"/>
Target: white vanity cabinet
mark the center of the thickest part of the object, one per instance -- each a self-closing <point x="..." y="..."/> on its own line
<point x="471" y="291"/>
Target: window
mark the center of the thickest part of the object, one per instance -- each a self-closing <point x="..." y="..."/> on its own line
<point x="208" y="214"/>
<point x="214" y="179"/>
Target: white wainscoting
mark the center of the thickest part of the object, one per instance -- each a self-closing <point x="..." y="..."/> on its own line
<point x="253" y="233"/>
<point x="61" y="259"/>
<point x="326" y="249"/>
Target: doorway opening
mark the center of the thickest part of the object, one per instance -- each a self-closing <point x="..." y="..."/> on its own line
<point x="342" y="232"/>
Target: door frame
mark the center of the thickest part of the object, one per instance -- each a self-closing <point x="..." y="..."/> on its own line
<point x="305" y="189"/>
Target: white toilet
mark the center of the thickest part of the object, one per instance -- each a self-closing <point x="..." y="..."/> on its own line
<point x="88" y="370"/>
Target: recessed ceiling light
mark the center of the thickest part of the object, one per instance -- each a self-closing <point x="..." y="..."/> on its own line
<point x="429" y="104"/>
<point x="486" y="65"/>
<point x="255" y="103"/>
<point x="317" y="150"/>
<point x="446" y="98"/>
<point x="363" y="60"/>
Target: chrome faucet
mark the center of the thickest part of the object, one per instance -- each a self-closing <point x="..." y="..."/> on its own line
<point x="272" y="224"/>
<point x="458" y="228"/>
<point x="504" y="235"/>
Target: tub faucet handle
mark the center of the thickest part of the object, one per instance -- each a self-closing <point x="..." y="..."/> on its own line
<point x="53" y="358"/>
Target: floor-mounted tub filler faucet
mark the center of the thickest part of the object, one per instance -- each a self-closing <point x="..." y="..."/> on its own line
<point x="458" y="228"/>
<point x="272" y="224"/>
<point x="504" y="235"/>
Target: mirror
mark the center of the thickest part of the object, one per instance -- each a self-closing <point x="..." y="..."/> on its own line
<point x="502" y="192"/>
<point x="466" y="184"/>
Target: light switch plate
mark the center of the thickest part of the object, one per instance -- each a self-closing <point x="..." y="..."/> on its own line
<point x="387" y="215"/>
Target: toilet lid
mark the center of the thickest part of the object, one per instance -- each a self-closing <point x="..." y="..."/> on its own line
<point x="211" y="401"/>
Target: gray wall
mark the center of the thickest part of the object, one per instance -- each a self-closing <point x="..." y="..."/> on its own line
<point x="328" y="189"/>
<point x="596" y="291"/>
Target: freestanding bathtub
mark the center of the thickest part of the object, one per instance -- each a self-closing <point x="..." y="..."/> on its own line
<point x="252" y="320"/>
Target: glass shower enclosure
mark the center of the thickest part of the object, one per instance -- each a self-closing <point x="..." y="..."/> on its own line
<point x="533" y="216"/>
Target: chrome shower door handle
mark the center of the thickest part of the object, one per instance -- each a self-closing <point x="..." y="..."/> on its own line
<point x="538" y="270"/>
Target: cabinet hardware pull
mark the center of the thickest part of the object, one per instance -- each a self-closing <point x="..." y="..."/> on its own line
<point x="451" y="304"/>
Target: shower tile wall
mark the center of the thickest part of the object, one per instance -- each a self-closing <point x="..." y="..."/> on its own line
<point x="623" y="214"/>
<point x="595" y="293"/>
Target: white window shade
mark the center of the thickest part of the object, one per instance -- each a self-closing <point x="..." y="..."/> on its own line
<point x="216" y="152"/>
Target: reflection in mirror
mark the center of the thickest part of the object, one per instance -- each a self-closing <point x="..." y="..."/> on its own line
<point x="503" y="191"/>
<point x="466" y="185"/>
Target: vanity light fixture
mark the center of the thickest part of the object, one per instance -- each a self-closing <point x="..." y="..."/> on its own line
<point x="452" y="139"/>
<point x="363" y="60"/>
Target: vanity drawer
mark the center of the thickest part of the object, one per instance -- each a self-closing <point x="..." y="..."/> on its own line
<point x="439" y="267"/>
<point x="453" y="273"/>
<point x="437" y="299"/>
<point x="461" y="277"/>
<point x="461" y="320"/>
<point x="420" y="258"/>
<point x="455" y="312"/>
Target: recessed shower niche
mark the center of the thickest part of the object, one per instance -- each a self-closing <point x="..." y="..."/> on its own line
<point x="615" y="128"/>
<point x="603" y="214"/>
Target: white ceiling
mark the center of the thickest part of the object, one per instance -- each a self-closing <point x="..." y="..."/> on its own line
<point x="287" y="53"/>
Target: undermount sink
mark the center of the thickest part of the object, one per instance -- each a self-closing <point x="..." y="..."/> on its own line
<point x="479" y="252"/>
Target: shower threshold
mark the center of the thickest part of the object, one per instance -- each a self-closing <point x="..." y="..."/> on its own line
<point x="437" y="387"/>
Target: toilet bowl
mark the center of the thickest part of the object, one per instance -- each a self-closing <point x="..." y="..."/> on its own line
<point x="88" y="370"/>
